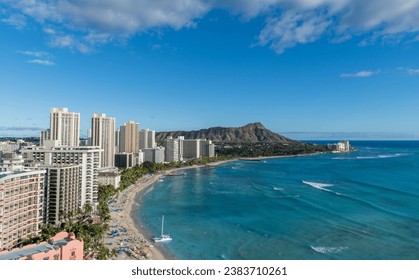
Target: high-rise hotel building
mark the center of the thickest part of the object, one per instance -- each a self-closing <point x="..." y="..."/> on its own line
<point x="21" y="206"/>
<point x="65" y="127"/>
<point x="147" y="139"/>
<point x="87" y="158"/>
<point x="129" y="137"/>
<point x="103" y="136"/>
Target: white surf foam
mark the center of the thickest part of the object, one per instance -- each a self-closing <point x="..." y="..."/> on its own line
<point x="321" y="186"/>
<point x="382" y="156"/>
<point x="279" y="189"/>
<point x="365" y="157"/>
<point x="318" y="185"/>
<point x="328" y="250"/>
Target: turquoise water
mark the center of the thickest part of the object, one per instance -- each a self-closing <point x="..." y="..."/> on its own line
<point x="362" y="205"/>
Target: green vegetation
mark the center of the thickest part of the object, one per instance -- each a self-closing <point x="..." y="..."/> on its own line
<point x="265" y="149"/>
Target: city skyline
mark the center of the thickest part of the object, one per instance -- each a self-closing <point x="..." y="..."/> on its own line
<point x="305" y="69"/>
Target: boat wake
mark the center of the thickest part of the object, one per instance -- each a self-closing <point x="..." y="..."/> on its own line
<point x="328" y="250"/>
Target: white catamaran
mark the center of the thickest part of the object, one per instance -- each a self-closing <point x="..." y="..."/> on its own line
<point x="163" y="237"/>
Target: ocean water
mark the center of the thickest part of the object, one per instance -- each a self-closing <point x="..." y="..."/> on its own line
<point x="361" y="205"/>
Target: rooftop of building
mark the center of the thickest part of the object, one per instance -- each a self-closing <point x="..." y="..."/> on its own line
<point x="8" y="173"/>
<point x="31" y="250"/>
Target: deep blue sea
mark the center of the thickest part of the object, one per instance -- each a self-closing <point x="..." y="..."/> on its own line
<point x="360" y="205"/>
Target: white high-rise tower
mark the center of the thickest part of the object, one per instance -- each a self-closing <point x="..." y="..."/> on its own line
<point x="65" y="127"/>
<point x="103" y="135"/>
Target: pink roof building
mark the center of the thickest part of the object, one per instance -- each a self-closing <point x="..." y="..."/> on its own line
<point x="63" y="246"/>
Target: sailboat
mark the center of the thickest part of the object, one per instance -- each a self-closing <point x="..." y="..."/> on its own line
<point x="163" y="237"/>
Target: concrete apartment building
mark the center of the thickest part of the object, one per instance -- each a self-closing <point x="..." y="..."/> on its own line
<point x="171" y="149"/>
<point x="154" y="155"/>
<point x="103" y="136"/>
<point x="63" y="246"/>
<point x="65" y="127"/>
<point x="174" y="149"/>
<point x="124" y="160"/>
<point x="63" y="191"/>
<point x="11" y="162"/>
<point x="129" y="137"/>
<point x="87" y="157"/>
<point x="45" y="135"/>
<point x="191" y="149"/>
<point x="109" y="176"/>
<point x="207" y="148"/>
<point x="21" y="206"/>
<point x="147" y="139"/>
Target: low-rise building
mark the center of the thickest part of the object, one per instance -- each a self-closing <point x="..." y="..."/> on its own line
<point x="109" y="176"/>
<point x="340" y="147"/>
<point x="11" y="162"/>
<point x="63" y="246"/>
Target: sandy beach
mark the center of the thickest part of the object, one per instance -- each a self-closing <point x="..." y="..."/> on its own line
<point x="131" y="240"/>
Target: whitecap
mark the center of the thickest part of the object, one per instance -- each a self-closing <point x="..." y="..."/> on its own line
<point x="318" y="185"/>
<point x="367" y="157"/>
<point x="279" y="189"/>
<point x="328" y="250"/>
<point x="383" y="156"/>
<point x="392" y="156"/>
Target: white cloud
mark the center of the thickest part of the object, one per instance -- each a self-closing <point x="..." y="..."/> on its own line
<point x="409" y="71"/>
<point x="80" y="25"/>
<point x="42" y="58"/>
<point x="293" y="28"/>
<point x="35" y="53"/>
<point x="69" y="41"/>
<point x="16" y="20"/>
<point x="42" y="62"/>
<point x="360" y="74"/>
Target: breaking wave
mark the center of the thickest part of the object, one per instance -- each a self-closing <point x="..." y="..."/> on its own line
<point x="328" y="250"/>
<point x="318" y="185"/>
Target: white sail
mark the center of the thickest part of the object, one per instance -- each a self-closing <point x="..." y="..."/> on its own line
<point x="163" y="237"/>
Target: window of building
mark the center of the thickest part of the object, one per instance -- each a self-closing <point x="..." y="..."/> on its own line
<point x="56" y="256"/>
<point x="46" y="258"/>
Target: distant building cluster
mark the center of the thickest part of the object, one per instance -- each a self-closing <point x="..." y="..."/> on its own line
<point x="38" y="183"/>
<point x="340" y="147"/>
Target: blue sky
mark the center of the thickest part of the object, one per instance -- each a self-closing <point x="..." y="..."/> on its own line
<point x="309" y="69"/>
